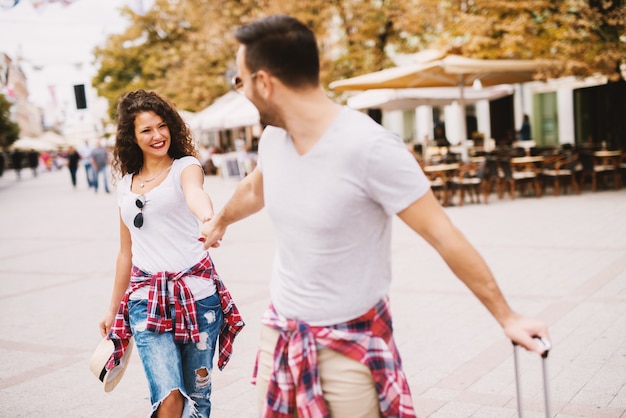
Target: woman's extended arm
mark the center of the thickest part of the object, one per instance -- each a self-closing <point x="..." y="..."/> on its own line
<point x="122" y="278"/>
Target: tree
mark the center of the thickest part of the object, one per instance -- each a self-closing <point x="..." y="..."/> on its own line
<point x="359" y="38"/>
<point x="185" y="49"/>
<point x="584" y="36"/>
<point x="9" y="130"/>
<point x="181" y="49"/>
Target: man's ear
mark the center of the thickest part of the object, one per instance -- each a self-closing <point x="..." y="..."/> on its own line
<point x="265" y="83"/>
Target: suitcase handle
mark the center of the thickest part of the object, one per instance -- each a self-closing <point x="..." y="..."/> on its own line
<point x="544" y="342"/>
<point x="546" y="392"/>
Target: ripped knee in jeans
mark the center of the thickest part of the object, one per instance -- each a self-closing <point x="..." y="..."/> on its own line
<point x="203" y="378"/>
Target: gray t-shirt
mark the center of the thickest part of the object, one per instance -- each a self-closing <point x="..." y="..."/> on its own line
<point x="331" y="209"/>
<point x="99" y="156"/>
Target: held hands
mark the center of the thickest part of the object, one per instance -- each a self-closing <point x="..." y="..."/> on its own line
<point x="211" y="233"/>
<point x="523" y="331"/>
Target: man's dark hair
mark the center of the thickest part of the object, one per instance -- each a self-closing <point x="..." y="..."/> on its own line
<point x="283" y="46"/>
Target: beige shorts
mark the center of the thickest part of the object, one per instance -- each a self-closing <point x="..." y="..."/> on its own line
<point x="347" y="384"/>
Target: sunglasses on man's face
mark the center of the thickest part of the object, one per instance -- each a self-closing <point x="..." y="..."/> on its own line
<point x="237" y="82"/>
<point x="140" y="202"/>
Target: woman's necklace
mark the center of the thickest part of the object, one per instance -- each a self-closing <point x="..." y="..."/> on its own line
<point x="151" y="179"/>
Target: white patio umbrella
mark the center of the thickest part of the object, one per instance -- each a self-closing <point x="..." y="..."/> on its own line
<point x="53" y="138"/>
<point x="187" y="115"/>
<point x="27" y="143"/>
<point x="451" y="70"/>
<point x="232" y="110"/>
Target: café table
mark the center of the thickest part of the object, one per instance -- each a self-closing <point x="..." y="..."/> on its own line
<point x="440" y="174"/>
<point x="610" y="161"/>
<point x="527" y="164"/>
<point x="527" y="160"/>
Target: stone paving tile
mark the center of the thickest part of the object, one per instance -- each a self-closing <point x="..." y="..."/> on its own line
<point x="561" y="259"/>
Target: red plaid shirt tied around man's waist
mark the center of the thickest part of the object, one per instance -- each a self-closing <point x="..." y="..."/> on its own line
<point x="159" y="314"/>
<point x="295" y="385"/>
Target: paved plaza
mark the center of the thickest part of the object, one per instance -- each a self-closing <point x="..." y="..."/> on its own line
<point x="562" y="259"/>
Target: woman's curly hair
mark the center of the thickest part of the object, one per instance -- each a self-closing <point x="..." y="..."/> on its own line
<point x="127" y="156"/>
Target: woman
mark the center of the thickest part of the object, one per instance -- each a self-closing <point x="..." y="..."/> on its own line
<point x="166" y="294"/>
<point x="72" y="163"/>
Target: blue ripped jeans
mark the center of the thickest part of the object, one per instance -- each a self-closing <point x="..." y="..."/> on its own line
<point x="174" y="366"/>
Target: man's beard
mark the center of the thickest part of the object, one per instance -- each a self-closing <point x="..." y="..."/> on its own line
<point x="268" y="113"/>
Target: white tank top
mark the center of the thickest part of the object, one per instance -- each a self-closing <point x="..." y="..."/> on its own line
<point x="168" y="239"/>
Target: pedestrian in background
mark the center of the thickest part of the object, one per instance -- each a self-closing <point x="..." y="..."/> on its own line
<point x="167" y="293"/>
<point x="17" y="161"/>
<point x="525" y="131"/>
<point x="73" y="158"/>
<point x="331" y="179"/>
<point x="440" y="135"/>
<point x="99" y="162"/>
<point x="33" y="161"/>
<point x="85" y="156"/>
<point x="2" y="163"/>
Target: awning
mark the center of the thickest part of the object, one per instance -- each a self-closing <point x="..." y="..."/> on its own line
<point x="232" y="110"/>
<point x="404" y="99"/>
<point x="27" y="143"/>
<point x="448" y="71"/>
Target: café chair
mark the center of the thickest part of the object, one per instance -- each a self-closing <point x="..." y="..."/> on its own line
<point x="436" y="184"/>
<point x="469" y="180"/>
<point x="560" y="170"/>
<point x="591" y="168"/>
<point x="439" y="176"/>
<point x="439" y="189"/>
<point x="490" y="174"/>
<point x="509" y="180"/>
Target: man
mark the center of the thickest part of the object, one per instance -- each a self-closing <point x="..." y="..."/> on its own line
<point x="33" y="161"/>
<point x="17" y="161"/>
<point x="524" y="132"/>
<point x="331" y="179"/>
<point x="85" y="156"/>
<point x="99" y="161"/>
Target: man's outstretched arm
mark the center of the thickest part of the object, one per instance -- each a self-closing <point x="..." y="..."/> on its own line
<point x="247" y="199"/>
<point x="426" y="217"/>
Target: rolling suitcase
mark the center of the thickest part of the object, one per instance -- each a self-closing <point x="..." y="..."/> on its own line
<point x="546" y="392"/>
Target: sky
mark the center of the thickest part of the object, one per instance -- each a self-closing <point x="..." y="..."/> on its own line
<point x="54" y="44"/>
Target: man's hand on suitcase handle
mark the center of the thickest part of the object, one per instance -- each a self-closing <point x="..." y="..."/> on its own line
<point x="529" y="333"/>
<point x="544" y="343"/>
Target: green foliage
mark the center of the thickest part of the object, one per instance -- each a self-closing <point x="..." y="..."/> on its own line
<point x="185" y="49"/>
<point x="585" y="36"/>
<point x="173" y="49"/>
<point x="363" y="32"/>
<point x="9" y="130"/>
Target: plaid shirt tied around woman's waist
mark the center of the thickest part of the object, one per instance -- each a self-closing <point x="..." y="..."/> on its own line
<point x="295" y="384"/>
<point x="159" y="314"/>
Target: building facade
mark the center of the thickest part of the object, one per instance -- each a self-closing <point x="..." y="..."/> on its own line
<point x="13" y="84"/>
<point x="581" y="112"/>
